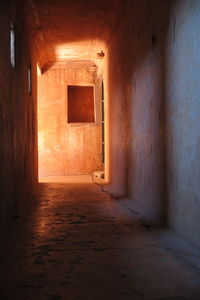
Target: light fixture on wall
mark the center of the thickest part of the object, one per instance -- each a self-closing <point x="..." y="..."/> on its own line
<point x="100" y="55"/>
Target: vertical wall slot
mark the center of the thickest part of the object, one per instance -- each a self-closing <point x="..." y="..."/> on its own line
<point x="29" y="80"/>
<point x="12" y="45"/>
<point x="103" y="127"/>
<point x="153" y="43"/>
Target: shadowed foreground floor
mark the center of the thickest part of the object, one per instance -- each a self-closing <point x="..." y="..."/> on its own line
<point x="74" y="242"/>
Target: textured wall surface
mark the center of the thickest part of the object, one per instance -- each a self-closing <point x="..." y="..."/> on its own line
<point x="154" y="112"/>
<point x="18" y="159"/>
<point x="183" y="119"/>
<point x="65" y="148"/>
<point x="146" y="156"/>
<point x="135" y="94"/>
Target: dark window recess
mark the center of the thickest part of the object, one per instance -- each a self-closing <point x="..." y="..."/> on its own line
<point x="80" y="104"/>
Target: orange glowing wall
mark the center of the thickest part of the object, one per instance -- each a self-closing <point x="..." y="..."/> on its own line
<point x="66" y="148"/>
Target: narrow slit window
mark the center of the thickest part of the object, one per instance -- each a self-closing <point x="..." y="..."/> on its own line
<point x="29" y="80"/>
<point x="12" y="45"/>
<point x="80" y="104"/>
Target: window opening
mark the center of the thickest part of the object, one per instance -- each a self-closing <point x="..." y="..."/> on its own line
<point x="80" y="104"/>
<point x="12" y="45"/>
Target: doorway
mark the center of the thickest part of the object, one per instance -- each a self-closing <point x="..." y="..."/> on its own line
<point x="70" y="122"/>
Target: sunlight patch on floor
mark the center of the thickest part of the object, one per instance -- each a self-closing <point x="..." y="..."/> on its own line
<point x="67" y="179"/>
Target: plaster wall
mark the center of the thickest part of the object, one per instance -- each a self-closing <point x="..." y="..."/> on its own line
<point x="153" y="112"/>
<point x="18" y="143"/>
<point x="66" y="148"/>
<point x="135" y="84"/>
<point x="183" y="115"/>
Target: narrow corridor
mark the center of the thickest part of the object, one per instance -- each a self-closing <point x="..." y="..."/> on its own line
<point x="74" y="241"/>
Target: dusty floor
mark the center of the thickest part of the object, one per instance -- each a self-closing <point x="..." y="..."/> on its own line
<point x="74" y="242"/>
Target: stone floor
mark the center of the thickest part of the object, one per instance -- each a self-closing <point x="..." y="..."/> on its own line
<point x="74" y="242"/>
